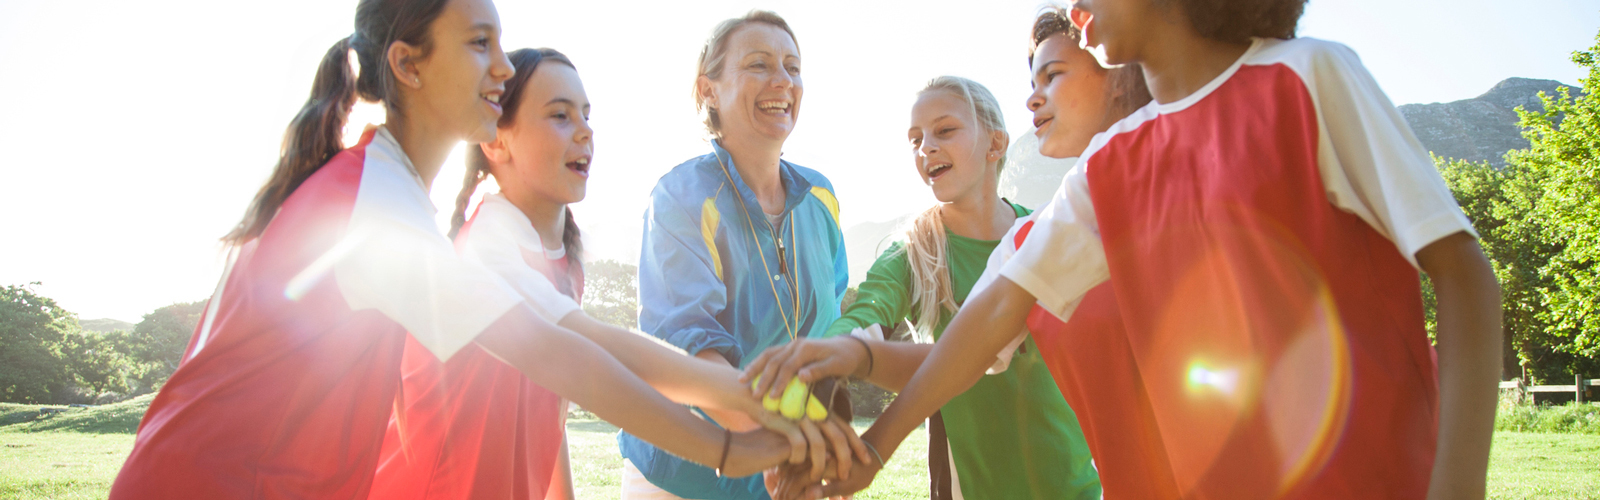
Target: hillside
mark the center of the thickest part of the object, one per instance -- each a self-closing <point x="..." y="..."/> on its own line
<point x="1482" y="128"/>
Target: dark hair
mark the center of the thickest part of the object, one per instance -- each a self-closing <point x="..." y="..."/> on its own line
<point x="313" y="136"/>
<point x="1239" y="20"/>
<point x="716" y="49"/>
<point x="1125" y="87"/>
<point x="525" y="61"/>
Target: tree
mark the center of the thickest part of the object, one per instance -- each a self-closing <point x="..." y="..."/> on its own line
<point x="31" y="329"/>
<point x="156" y="345"/>
<point x="1559" y="192"/>
<point x="611" y="292"/>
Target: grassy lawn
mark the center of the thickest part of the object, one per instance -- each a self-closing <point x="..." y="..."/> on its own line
<point x="77" y="453"/>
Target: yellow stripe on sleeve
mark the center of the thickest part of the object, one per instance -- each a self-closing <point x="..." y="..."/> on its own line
<point x="827" y="200"/>
<point x="709" y="218"/>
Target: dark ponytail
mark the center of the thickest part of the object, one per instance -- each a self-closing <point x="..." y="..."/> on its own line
<point x="315" y="134"/>
<point x="525" y="61"/>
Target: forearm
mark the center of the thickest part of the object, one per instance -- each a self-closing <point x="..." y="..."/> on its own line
<point x="684" y="379"/>
<point x="893" y="363"/>
<point x="1469" y="344"/>
<point x="579" y="370"/>
<point x="979" y="331"/>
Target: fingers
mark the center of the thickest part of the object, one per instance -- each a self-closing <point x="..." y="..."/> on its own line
<point x="845" y="487"/>
<point x="770" y="382"/>
<point x="840" y="445"/>
<point x="797" y="437"/>
<point x="819" y="448"/>
<point x="856" y="444"/>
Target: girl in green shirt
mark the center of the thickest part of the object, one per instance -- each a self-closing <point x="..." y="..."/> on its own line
<point x="1011" y="435"/>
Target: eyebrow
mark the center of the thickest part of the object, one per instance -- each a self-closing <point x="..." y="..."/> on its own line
<point x="564" y="100"/>
<point x="485" y="27"/>
<point x="1046" y="66"/>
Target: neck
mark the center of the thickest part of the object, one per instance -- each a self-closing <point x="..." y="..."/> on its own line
<point x="1177" y="62"/>
<point x="758" y="167"/>
<point x="549" y="219"/>
<point x="982" y="216"/>
<point x="425" y="148"/>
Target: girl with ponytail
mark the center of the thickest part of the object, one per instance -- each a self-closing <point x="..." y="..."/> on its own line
<point x="292" y="376"/>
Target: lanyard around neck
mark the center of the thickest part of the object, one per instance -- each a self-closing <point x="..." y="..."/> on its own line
<point x="794" y="328"/>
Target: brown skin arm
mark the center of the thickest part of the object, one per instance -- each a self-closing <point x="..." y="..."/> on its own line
<point x="1469" y="343"/>
<point x="575" y="368"/>
<point x="891" y="367"/>
<point x="983" y="326"/>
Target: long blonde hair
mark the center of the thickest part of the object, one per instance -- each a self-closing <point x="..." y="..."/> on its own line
<point x="925" y="247"/>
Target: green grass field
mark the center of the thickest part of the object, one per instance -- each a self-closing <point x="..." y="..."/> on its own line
<point x="76" y="454"/>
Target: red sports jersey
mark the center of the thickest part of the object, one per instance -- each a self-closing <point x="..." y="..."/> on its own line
<point x="474" y="427"/>
<point x="1259" y="237"/>
<point x="290" y="379"/>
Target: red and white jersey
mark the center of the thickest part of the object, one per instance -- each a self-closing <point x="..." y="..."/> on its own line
<point x="1260" y="236"/>
<point x="290" y="379"/>
<point x="473" y="426"/>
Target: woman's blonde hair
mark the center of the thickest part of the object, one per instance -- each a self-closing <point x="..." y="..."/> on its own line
<point x="716" y="50"/>
<point x="925" y="247"/>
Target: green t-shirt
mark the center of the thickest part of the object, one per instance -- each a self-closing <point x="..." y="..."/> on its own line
<point x="1012" y="435"/>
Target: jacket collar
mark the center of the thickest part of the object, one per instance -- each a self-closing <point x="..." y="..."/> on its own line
<point x="795" y="186"/>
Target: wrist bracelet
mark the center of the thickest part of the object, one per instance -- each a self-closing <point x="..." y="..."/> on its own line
<point x="727" y="441"/>
<point x="870" y="361"/>
<point x="874" y="451"/>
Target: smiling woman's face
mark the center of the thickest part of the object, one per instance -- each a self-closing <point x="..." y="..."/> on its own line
<point x="757" y="97"/>
<point x="1069" y="100"/>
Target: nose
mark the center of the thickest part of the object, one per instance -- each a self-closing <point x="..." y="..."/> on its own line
<point x="929" y="147"/>
<point x="1036" y="99"/>
<point x="781" y="79"/>
<point x="585" y="132"/>
<point x="500" y="67"/>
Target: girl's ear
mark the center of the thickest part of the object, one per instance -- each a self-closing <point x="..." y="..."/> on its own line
<point x="496" y="150"/>
<point x="998" y="142"/>
<point x="402" y="58"/>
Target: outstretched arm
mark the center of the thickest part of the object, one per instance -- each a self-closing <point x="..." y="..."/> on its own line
<point x="1469" y="363"/>
<point x="980" y="330"/>
<point x="587" y="375"/>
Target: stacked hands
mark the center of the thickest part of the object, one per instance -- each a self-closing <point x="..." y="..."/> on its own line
<point x="827" y="458"/>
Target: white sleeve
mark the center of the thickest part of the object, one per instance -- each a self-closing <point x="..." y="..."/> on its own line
<point x="405" y="269"/>
<point x="1001" y="254"/>
<point x="1062" y="258"/>
<point x="1371" y="163"/>
<point x="493" y="245"/>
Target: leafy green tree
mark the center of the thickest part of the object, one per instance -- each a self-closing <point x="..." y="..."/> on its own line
<point x="31" y="328"/>
<point x="156" y="345"/>
<point x="611" y="292"/>
<point x="1559" y="191"/>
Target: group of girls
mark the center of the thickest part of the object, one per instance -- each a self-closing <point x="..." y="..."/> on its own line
<point x="1224" y="288"/>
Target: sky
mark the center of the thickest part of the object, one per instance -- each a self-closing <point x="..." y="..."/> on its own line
<point x="133" y="134"/>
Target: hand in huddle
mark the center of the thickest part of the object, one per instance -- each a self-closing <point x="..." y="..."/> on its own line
<point x="799" y="481"/>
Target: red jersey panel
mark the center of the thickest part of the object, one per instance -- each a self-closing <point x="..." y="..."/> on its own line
<point x="290" y="380"/>
<point x="474" y="427"/>
<point x="1279" y="339"/>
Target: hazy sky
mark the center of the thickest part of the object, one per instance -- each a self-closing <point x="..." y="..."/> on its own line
<point x="132" y="134"/>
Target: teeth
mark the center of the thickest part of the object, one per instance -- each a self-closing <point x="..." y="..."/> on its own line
<point x="774" y="105"/>
<point x="494" y="98"/>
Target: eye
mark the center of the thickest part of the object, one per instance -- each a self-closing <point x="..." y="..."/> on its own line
<point x="946" y="131"/>
<point x="1051" y="76"/>
<point x="559" y="115"/>
<point x="758" y="65"/>
<point x="481" y="41"/>
<point x="794" y="70"/>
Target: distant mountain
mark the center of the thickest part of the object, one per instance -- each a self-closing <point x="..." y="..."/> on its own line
<point x="104" y="325"/>
<point x="863" y="242"/>
<point x="1482" y="128"/>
